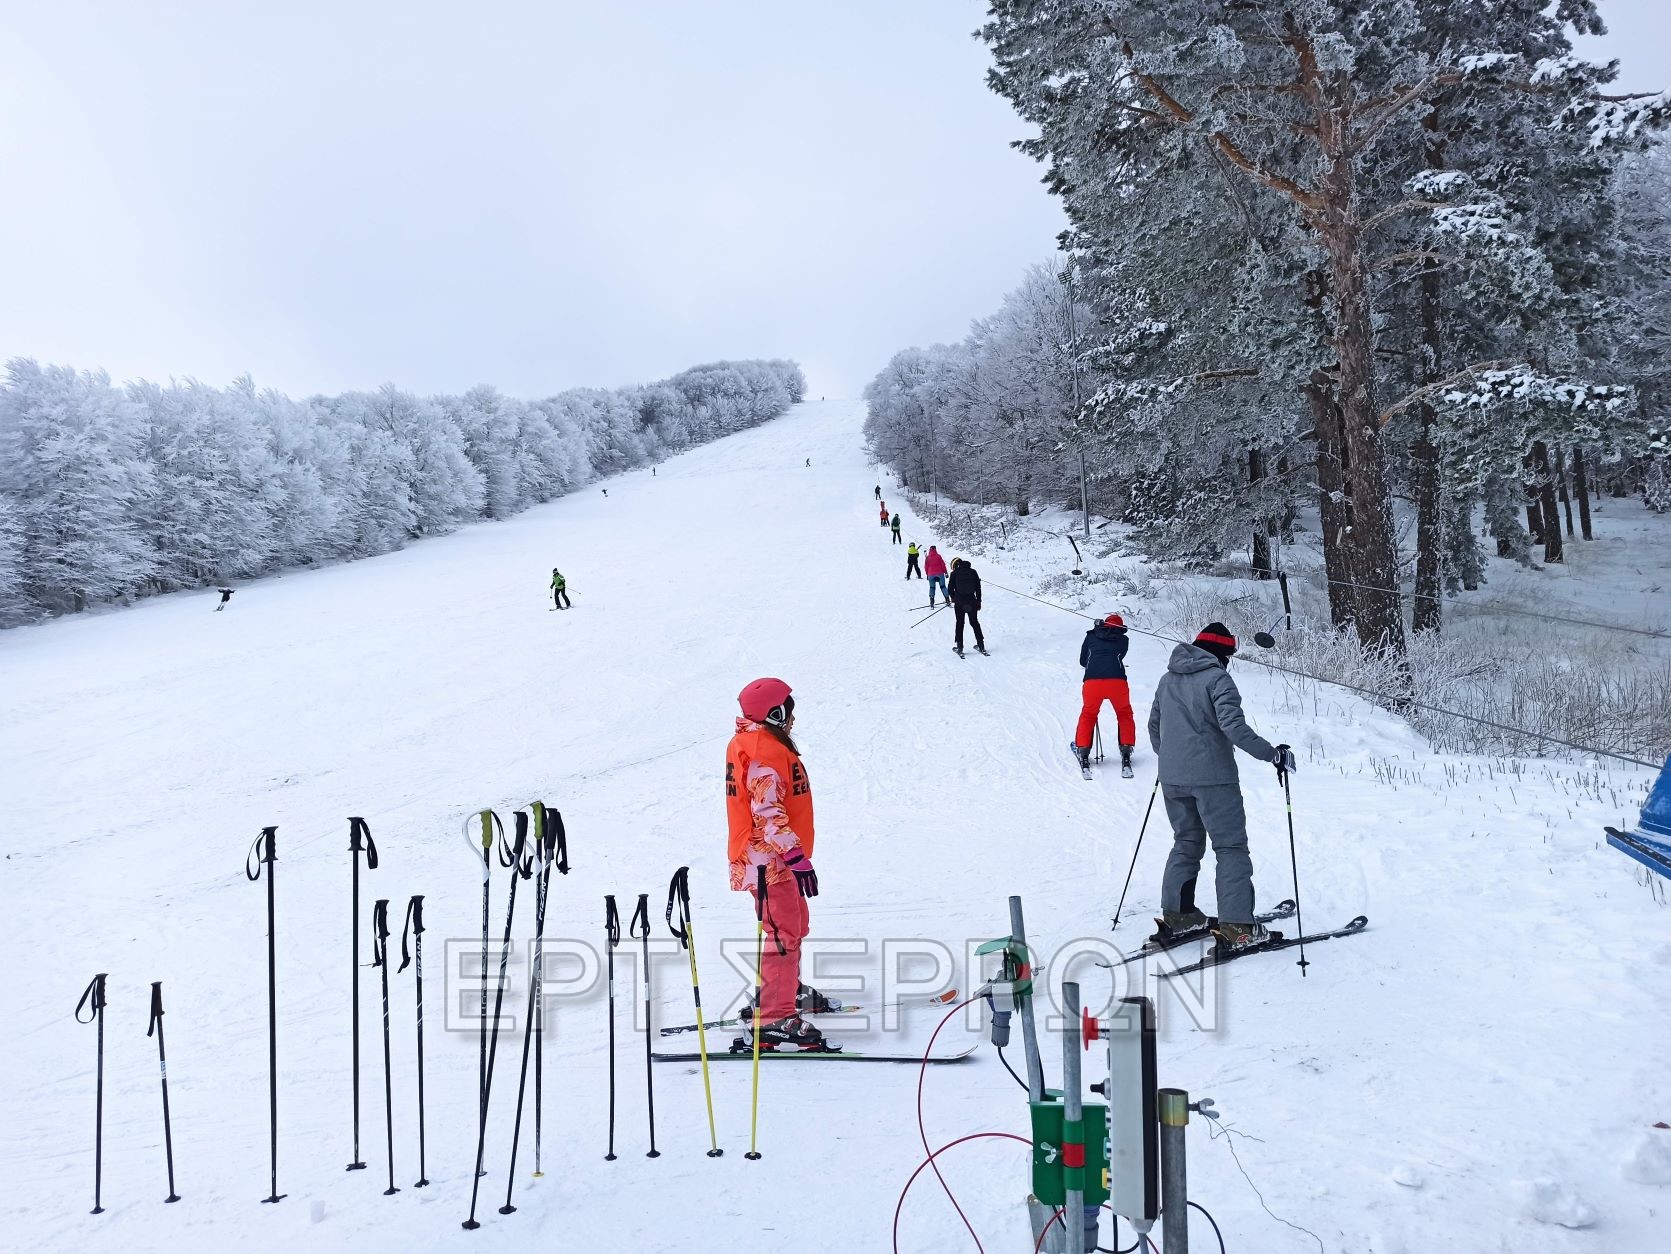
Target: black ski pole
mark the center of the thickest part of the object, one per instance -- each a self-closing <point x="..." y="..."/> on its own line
<point x="545" y="851"/>
<point x="358" y="832"/>
<point x="520" y="869"/>
<point x="642" y="915"/>
<point x="92" y="1001"/>
<point x="415" y="929"/>
<point x="1149" y="809"/>
<point x="555" y="841"/>
<point x="155" y="1026"/>
<point x="380" y="960"/>
<point x="1294" y="864"/>
<point x="612" y="938"/>
<point x="265" y="851"/>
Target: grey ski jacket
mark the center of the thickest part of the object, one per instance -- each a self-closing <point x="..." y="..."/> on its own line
<point x="1196" y="718"/>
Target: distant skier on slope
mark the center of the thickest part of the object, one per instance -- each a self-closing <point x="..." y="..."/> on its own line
<point x="225" y="597"/>
<point x="878" y="492"/>
<point x="884" y="515"/>
<point x="895" y="525"/>
<point x="560" y="591"/>
<point x="912" y="565"/>
<point x="768" y="807"/>
<point x="935" y="565"/>
<point x="1195" y="724"/>
<point x="1103" y="655"/>
<point x="965" y="593"/>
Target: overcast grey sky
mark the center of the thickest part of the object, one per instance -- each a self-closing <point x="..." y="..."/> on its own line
<point x="537" y="194"/>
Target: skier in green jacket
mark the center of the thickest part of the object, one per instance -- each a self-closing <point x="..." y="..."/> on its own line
<point x="559" y="591"/>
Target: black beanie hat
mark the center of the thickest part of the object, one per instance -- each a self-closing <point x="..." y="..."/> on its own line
<point x="1216" y="639"/>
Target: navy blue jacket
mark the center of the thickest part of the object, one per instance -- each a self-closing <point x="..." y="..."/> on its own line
<point x="1103" y="655"/>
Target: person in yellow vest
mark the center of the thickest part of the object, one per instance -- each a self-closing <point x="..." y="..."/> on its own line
<point x="768" y="806"/>
<point x="912" y="565"/>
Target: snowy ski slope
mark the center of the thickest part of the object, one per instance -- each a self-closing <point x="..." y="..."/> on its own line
<point x="1469" y="1075"/>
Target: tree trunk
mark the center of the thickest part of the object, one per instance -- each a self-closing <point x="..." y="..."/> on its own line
<point x="1261" y="531"/>
<point x="1429" y="531"/>
<point x="1561" y="484"/>
<point x="1371" y="550"/>
<point x="1546" y="503"/>
<point x="1581" y="486"/>
<point x="1332" y="510"/>
<point x="1529" y="490"/>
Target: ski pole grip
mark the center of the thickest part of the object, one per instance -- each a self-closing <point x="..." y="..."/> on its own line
<point x="414" y="926"/>
<point x="611" y="921"/>
<point x="156" y="1007"/>
<point x="380" y="931"/>
<point x="640" y="916"/>
<point x="488" y="819"/>
<point x="92" y="999"/>
<point x="265" y="849"/>
<point x="678" y="896"/>
<point x="557" y="841"/>
<point x="760" y="892"/>
<point x="358" y="830"/>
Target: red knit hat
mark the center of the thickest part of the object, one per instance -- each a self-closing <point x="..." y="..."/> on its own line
<point x="1216" y="639"/>
<point x="1113" y="620"/>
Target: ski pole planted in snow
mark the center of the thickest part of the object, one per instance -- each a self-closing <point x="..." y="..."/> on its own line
<point x="359" y="840"/>
<point x="264" y="852"/>
<point x="415" y="930"/>
<point x="678" y="897"/>
<point x="545" y="853"/>
<point x="521" y="869"/>
<point x="548" y="828"/>
<point x="753" y="1154"/>
<point x="642" y="916"/>
<point x="92" y="1001"/>
<point x="1148" y="810"/>
<point x="612" y="938"/>
<point x="380" y="960"/>
<point x="490" y="827"/>
<point x="1294" y="864"/>
<point x="155" y="1027"/>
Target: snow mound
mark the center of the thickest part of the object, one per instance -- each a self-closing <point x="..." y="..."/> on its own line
<point x="1650" y="1162"/>
<point x="1551" y="1202"/>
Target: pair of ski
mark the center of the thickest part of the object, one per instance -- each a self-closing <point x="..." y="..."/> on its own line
<point x="747" y="1055"/>
<point x="1085" y="767"/>
<point x="1219" y="955"/>
<point x="979" y="648"/>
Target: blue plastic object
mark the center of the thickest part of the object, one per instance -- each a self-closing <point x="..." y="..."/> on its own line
<point x="1650" y="842"/>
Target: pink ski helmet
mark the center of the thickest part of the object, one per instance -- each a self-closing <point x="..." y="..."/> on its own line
<point x="767" y="701"/>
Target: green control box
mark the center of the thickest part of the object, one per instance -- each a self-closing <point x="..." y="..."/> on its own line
<point x="1052" y="1170"/>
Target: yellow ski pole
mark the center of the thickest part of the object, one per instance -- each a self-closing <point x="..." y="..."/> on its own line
<point x="678" y="896"/>
<point x="759" y="986"/>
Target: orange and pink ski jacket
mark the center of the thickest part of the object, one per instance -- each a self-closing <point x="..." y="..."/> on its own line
<point x="768" y="805"/>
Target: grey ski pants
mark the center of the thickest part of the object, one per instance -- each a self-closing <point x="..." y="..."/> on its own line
<point x="1198" y="812"/>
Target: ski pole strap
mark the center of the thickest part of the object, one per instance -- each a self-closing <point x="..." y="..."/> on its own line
<point x="611" y="922"/>
<point x="359" y="830"/>
<point x="414" y="926"/>
<point x="520" y="861"/>
<point x="265" y="849"/>
<point x="678" y="895"/>
<point x="380" y="932"/>
<point x="640" y="915"/>
<point x="156" y="1007"/>
<point x="557" y="841"/>
<point x="92" y="1000"/>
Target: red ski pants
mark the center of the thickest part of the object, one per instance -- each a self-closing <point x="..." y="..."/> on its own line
<point x="780" y="961"/>
<point x="1095" y="692"/>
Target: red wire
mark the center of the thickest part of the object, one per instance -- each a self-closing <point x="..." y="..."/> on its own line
<point x="1045" y="1231"/>
<point x="929" y="1161"/>
<point x="922" y="1074"/>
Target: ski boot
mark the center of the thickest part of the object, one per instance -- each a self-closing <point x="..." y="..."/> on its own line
<point x="1240" y="936"/>
<point x="793" y="1035"/>
<point x="809" y="1001"/>
<point x="1125" y="761"/>
<point x="1175" y="923"/>
<point x="1081" y="755"/>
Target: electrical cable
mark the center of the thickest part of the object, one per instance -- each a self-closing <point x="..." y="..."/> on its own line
<point x="973" y="1136"/>
<point x="1214" y="1223"/>
<point x="1395" y="699"/>
<point x="922" y="1130"/>
<point x="1011" y="1069"/>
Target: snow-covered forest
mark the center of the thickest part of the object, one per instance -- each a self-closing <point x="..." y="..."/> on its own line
<point x="1332" y="258"/>
<point x="110" y="493"/>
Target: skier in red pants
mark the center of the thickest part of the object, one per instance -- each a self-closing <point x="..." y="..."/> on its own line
<point x="1103" y="655"/>
<point x="768" y="806"/>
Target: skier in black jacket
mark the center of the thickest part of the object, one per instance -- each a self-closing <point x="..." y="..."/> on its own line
<point x="965" y="592"/>
<point x="1103" y="655"/>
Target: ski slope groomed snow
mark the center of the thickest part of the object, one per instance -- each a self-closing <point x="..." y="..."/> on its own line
<point x="1480" y="1071"/>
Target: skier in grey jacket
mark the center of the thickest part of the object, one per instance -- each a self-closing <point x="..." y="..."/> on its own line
<point x="1195" y="725"/>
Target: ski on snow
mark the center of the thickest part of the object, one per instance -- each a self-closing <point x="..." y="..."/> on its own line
<point x="820" y="1055"/>
<point x="1219" y="957"/>
<point x="940" y="999"/>
<point x="1282" y="910"/>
